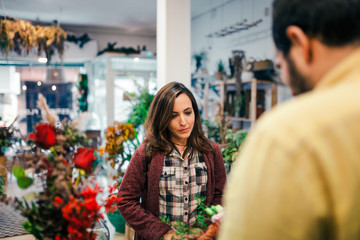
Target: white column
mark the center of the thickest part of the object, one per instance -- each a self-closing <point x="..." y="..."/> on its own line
<point x="110" y="78"/>
<point x="173" y="42"/>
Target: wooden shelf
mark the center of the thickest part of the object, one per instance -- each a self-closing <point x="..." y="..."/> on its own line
<point x="254" y="85"/>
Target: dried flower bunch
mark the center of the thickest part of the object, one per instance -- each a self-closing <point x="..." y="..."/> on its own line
<point x="119" y="137"/>
<point x="67" y="207"/>
<point x="20" y="35"/>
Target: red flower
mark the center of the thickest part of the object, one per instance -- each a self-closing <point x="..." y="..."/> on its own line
<point x="89" y="193"/>
<point x="58" y="201"/>
<point x="114" y="187"/>
<point x="111" y="201"/>
<point x="44" y="135"/>
<point x="84" y="158"/>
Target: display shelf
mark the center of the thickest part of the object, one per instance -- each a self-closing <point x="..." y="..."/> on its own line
<point x="227" y="93"/>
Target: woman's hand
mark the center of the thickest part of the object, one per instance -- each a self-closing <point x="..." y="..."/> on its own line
<point x="195" y="232"/>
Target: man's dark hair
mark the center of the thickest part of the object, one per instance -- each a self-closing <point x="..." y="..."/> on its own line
<point x="334" y="22"/>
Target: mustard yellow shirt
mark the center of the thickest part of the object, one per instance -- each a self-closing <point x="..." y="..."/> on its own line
<point x="298" y="173"/>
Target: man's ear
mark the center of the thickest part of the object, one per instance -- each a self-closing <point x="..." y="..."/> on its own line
<point x="300" y="43"/>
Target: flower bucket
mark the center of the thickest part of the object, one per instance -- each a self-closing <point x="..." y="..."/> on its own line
<point x="117" y="221"/>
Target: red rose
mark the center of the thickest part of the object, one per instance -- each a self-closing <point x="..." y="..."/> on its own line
<point x="84" y="158"/>
<point x="44" y="135"/>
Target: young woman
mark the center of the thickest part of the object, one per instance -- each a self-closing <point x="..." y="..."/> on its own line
<point x="173" y="165"/>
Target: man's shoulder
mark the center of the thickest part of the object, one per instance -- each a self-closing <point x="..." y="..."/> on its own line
<point x="292" y="120"/>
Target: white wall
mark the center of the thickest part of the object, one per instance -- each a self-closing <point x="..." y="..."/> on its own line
<point x="256" y="42"/>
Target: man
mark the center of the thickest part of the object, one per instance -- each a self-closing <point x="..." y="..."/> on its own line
<point x="298" y="173"/>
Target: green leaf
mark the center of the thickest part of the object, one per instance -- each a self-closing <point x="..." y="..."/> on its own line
<point x="24" y="182"/>
<point x="27" y="226"/>
<point x="35" y="208"/>
<point x="219" y="208"/>
<point x="39" y="228"/>
<point x="209" y="211"/>
<point x="18" y="172"/>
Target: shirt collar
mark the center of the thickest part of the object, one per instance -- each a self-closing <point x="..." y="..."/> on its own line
<point x="340" y="71"/>
<point x="175" y="153"/>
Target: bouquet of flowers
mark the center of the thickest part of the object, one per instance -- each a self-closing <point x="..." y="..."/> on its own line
<point x="68" y="206"/>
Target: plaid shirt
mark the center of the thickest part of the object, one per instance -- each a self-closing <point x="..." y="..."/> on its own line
<point x="181" y="180"/>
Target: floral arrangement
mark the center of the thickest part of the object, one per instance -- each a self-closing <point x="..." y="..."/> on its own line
<point x="68" y="206"/>
<point x="20" y="35"/>
<point x="121" y="139"/>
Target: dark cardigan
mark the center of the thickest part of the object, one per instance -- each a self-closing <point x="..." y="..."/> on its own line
<point x="144" y="217"/>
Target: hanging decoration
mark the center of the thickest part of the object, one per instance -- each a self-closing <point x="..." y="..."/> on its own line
<point x="83" y="90"/>
<point x="111" y="48"/>
<point x="237" y="27"/>
<point x="82" y="40"/>
<point x="21" y="36"/>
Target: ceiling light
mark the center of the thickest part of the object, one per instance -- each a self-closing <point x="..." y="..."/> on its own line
<point x="38" y="83"/>
<point x="42" y="60"/>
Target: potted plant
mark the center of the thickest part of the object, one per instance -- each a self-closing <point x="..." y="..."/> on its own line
<point x="220" y="71"/>
<point x="198" y="59"/>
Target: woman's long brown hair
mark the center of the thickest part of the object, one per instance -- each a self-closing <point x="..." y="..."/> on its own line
<point x="158" y="135"/>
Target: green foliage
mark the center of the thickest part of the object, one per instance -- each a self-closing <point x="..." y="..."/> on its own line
<point x="220" y="66"/>
<point x="2" y="183"/>
<point x="201" y="220"/>
<point x="233" y="143"/>
<point x="8" y="137"/>
<point x="213" y="130"/>
<point x="18" y="171"/>
<point x="141" y="107"/>
<point x="22" y="180"/>
<point x="83" y="90"/>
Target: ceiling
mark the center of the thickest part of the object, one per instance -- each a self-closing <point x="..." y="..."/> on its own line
<point x="135" y="17"/>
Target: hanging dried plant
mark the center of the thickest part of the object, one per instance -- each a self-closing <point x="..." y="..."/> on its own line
<point x="22" y="36"/>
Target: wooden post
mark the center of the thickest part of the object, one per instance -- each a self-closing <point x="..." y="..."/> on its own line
<point x="253" y="101"/>
<point x="206" y="101"/>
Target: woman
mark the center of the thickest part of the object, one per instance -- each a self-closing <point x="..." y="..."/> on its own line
<point x="175" y="163"/>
